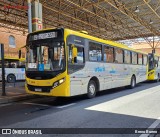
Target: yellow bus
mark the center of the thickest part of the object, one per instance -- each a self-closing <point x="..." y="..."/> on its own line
<point x="153" y="67"/>
<point x="63" y="63"/>
<point x="14" y="69"/>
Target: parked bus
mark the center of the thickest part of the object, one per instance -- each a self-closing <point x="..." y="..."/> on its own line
<point x="63" y="63"/>
<point x="14" y="69"/>
<point x="154" y="67"/>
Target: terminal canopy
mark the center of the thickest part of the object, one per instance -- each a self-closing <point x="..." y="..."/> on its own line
<point x="108" y="19"/>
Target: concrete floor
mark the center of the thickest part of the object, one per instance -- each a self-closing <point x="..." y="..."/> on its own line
<point x="117" y="108"/>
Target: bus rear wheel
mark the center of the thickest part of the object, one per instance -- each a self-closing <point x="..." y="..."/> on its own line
<point x="92" y="89"/>
<point x="133" y="82"/>
<point x="11" y="78"/>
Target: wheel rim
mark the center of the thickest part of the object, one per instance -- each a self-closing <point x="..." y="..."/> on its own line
<point x="11" y="79"/>
<point x="92" y="89"/>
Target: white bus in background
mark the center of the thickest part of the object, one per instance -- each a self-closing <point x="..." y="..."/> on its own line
<point x="14" y="69"/>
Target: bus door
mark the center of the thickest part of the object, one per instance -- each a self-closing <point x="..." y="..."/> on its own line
<point x="75" y="69"/>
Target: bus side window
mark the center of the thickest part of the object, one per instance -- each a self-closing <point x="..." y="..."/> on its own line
<point x="80" y="55"/>
<point x="144" y="59"/>
<point x="134" y="58"/>
<point x="9" y="65"/>
<point x="140" y="59"/>
<point x="108" y="54"/>
<point x="13" y="65"/>
<point x="127" y="57"/>
<point x="118" y="55"/>
<point x="95" y="51"/>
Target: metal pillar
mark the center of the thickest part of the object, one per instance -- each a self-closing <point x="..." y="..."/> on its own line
<point x="3" y="70"/>
<point x="153" y="49"/>
<point x="36" y="16"/>
<point x="29" y="17"/>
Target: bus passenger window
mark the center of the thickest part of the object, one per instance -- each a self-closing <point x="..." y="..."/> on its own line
<point x="127" y="57"/>
<point x="140" y="57"/>
<point x="108" y="54"/>
<point x="80" y="55"/>
<point x="134" y="58"/>
<point x="144" y="59"/>
<point x="95" y="51"/>
<point x="118" y="55"/>
<point x="9" y="65"/>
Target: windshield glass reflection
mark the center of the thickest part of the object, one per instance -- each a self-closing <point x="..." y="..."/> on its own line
<point x="45" y="57"/>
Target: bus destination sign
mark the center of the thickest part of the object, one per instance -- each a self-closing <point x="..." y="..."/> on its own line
<point x="44" y="36"/>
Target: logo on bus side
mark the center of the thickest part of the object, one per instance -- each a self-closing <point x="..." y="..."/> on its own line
<point x="100" y="69"/>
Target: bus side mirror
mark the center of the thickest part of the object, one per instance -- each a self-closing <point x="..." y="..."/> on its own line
<point x="74" y="54"/>
<point x="19" y="54"/>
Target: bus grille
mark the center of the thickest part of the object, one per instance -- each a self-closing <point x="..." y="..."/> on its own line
<point x="39" y="88"/>
<point x="39" y="76"/>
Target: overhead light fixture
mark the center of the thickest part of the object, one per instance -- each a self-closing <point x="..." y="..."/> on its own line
<point x="150" y="22"/>
<point x="137" y="9"/>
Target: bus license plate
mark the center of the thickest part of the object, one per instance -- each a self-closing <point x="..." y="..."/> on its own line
<point x="38" y="89"/>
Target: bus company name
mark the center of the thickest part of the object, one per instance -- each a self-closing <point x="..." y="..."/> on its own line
<point x="44" y="36"/>
<point x="99" y="69"/>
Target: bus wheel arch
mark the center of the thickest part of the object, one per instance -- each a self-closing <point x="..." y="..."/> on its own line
<point x="133" y="81"/>
<point x="93" y="87"/>
<point x="11" y="78"/>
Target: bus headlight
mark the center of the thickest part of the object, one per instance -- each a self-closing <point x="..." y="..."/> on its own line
<point x="57" y="83"/>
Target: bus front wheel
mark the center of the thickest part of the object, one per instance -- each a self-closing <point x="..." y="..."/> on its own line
<point x="11" y="78"/>
<point x="92" y="89"/>
<point x="133" y="82"/>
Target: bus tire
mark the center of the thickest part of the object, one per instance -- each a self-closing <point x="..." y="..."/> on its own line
<point x="92" y="89"/>
<point x="133" y="82"/>
<point x="11" y="78"/>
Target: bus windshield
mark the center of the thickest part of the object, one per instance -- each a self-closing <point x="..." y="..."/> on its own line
<point x="45" y="57"/>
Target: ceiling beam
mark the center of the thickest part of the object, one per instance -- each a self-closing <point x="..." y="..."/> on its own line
<point x="123" y="9"/>
<point x="147" y="3"/>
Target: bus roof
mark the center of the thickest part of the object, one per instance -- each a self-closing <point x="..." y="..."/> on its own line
<point x="80" y="34"/>
<point x="109" y="42"/>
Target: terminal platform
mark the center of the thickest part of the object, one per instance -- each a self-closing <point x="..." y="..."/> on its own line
<point x="14" y="92"/>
